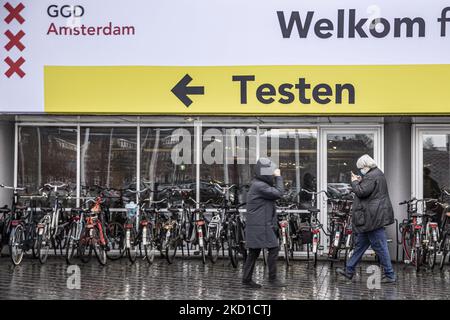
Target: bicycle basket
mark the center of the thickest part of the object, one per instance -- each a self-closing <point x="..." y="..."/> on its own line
<point x="131" y="210"/>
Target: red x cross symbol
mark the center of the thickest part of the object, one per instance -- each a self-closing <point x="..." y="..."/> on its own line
<point x="14" y="67"/>
<point x="14" y="13"/>
<point x="14" y="40"/>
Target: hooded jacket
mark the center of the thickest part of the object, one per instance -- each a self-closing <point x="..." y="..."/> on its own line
<point x="372" y="208"/>
<point x="261" y="219"/>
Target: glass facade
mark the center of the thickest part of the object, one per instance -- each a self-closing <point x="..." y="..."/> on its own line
<point x="159" y="146"/>
<point x="343" y="151"/>
<point x="297" y="154"/>
<point x="436" y="164"/>
<point x="46" y="154"/>
<point x="228" y="157"/>
<point x="160" y="157"/>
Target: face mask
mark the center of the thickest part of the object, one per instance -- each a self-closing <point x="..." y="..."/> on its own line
<point x="363" y="171"/>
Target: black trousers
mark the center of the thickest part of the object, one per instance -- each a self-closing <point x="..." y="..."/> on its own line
<point x="252" y="256"/>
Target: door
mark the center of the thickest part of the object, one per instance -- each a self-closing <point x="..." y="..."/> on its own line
<point x="340" y="148"/>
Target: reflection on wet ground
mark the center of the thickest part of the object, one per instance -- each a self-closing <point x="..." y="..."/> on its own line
<point x="190" y="279"/>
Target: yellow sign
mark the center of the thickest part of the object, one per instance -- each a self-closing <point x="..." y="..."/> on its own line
<point x="249" y="90"/>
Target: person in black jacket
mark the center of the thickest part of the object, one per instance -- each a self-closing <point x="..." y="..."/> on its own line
<point x="261" y="226"/>
<point x="371" y="212"/>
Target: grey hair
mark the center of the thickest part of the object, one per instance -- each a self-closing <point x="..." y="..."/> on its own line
<point x="366" y="161"/>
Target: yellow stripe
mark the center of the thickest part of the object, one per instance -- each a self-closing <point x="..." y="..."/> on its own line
<point x="382" y="90"/>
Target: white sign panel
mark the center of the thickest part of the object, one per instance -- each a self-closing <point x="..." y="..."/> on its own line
<point x="42" y="33"/>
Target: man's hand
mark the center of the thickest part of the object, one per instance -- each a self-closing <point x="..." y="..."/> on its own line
<point x="355" y="177"/>
<point x="277" y="173"/>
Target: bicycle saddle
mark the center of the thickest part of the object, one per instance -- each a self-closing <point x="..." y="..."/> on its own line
<point x="5" y="210"/>
<point x="314" y="210"/>
<point x="45" y="209"/>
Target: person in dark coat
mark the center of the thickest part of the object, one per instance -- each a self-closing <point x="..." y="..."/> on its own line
<point x="261" y="226"/>
<point x="371" y="212"/>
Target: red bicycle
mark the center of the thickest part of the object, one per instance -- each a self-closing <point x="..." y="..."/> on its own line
<point x="92" y="237"/>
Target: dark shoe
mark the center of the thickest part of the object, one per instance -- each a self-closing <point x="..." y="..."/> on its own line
<point x="251" y="284"/>
<point x="344" y="273"/>
<point x="277" y="283"/>
<point x="388" y="280"/>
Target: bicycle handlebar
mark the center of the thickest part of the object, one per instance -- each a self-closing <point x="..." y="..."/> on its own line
<point x="286" y="208"/>
<point x="200" y="203"/>
<point x="12" y="188"/>
<point x="136" y="191"/>
<point x="225" y="188"/>
<point x="54" y="186"/>
<point x="415" y="200"/>
<point x="154" y="201"/>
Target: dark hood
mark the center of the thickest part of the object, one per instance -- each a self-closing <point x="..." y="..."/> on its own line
<point x="264" y="170"/>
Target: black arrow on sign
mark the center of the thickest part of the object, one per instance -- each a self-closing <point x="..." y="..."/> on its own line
<point x="181" y="90"/>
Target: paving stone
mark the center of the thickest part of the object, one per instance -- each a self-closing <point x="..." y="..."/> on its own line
<point x="188" y="278"/>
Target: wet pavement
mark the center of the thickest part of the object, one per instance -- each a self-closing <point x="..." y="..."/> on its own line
<point x="188" y="278"/>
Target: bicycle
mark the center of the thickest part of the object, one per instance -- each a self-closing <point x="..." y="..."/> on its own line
<point x="412" y="230"/>
<point x="9" y="215"/>
<point x="113" y="230"/>
<point x="232" y="229"/>
<point x="150" y="230"/>
<point x="340" y="229"/>
<point x="48" y="227"/>
<point x="176" y="224"/>
<point x="92" y="238"/>
<point x="23" y="233"/>
<point x="20" y="226"/>
<point x="76" y="226"/>
<point x="200" y="228"/>
<point x="285" y="237"/>
<point x="444" y="230"/>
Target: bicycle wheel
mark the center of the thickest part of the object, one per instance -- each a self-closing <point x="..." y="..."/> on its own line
<point x="315" y="249"/>
<point x="98" y="247"/>
<point x="232" y="247"/>
<point x="115" y="234"/>
<point x="431" y="255"/>
<point x="43" y="247"/>
<point x="34" y="245"/>
<point x="445" y="251"/>
<point x="148" y="244"/>
<point x="202" y="247"/>
<point x="416" y="253"/>
<point x="213" y="249"/>
<point x="407" y="243"/>
<point x="84" y="246"/>
<point x="286" y="254"/>
<point x="348" y="250"/>
<point x="171" y="244"/>
<point x="132" y="249"/>
<point x="16" y="240"/>
<point x="334" y="246"/>
<point x="71" y="246"/>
